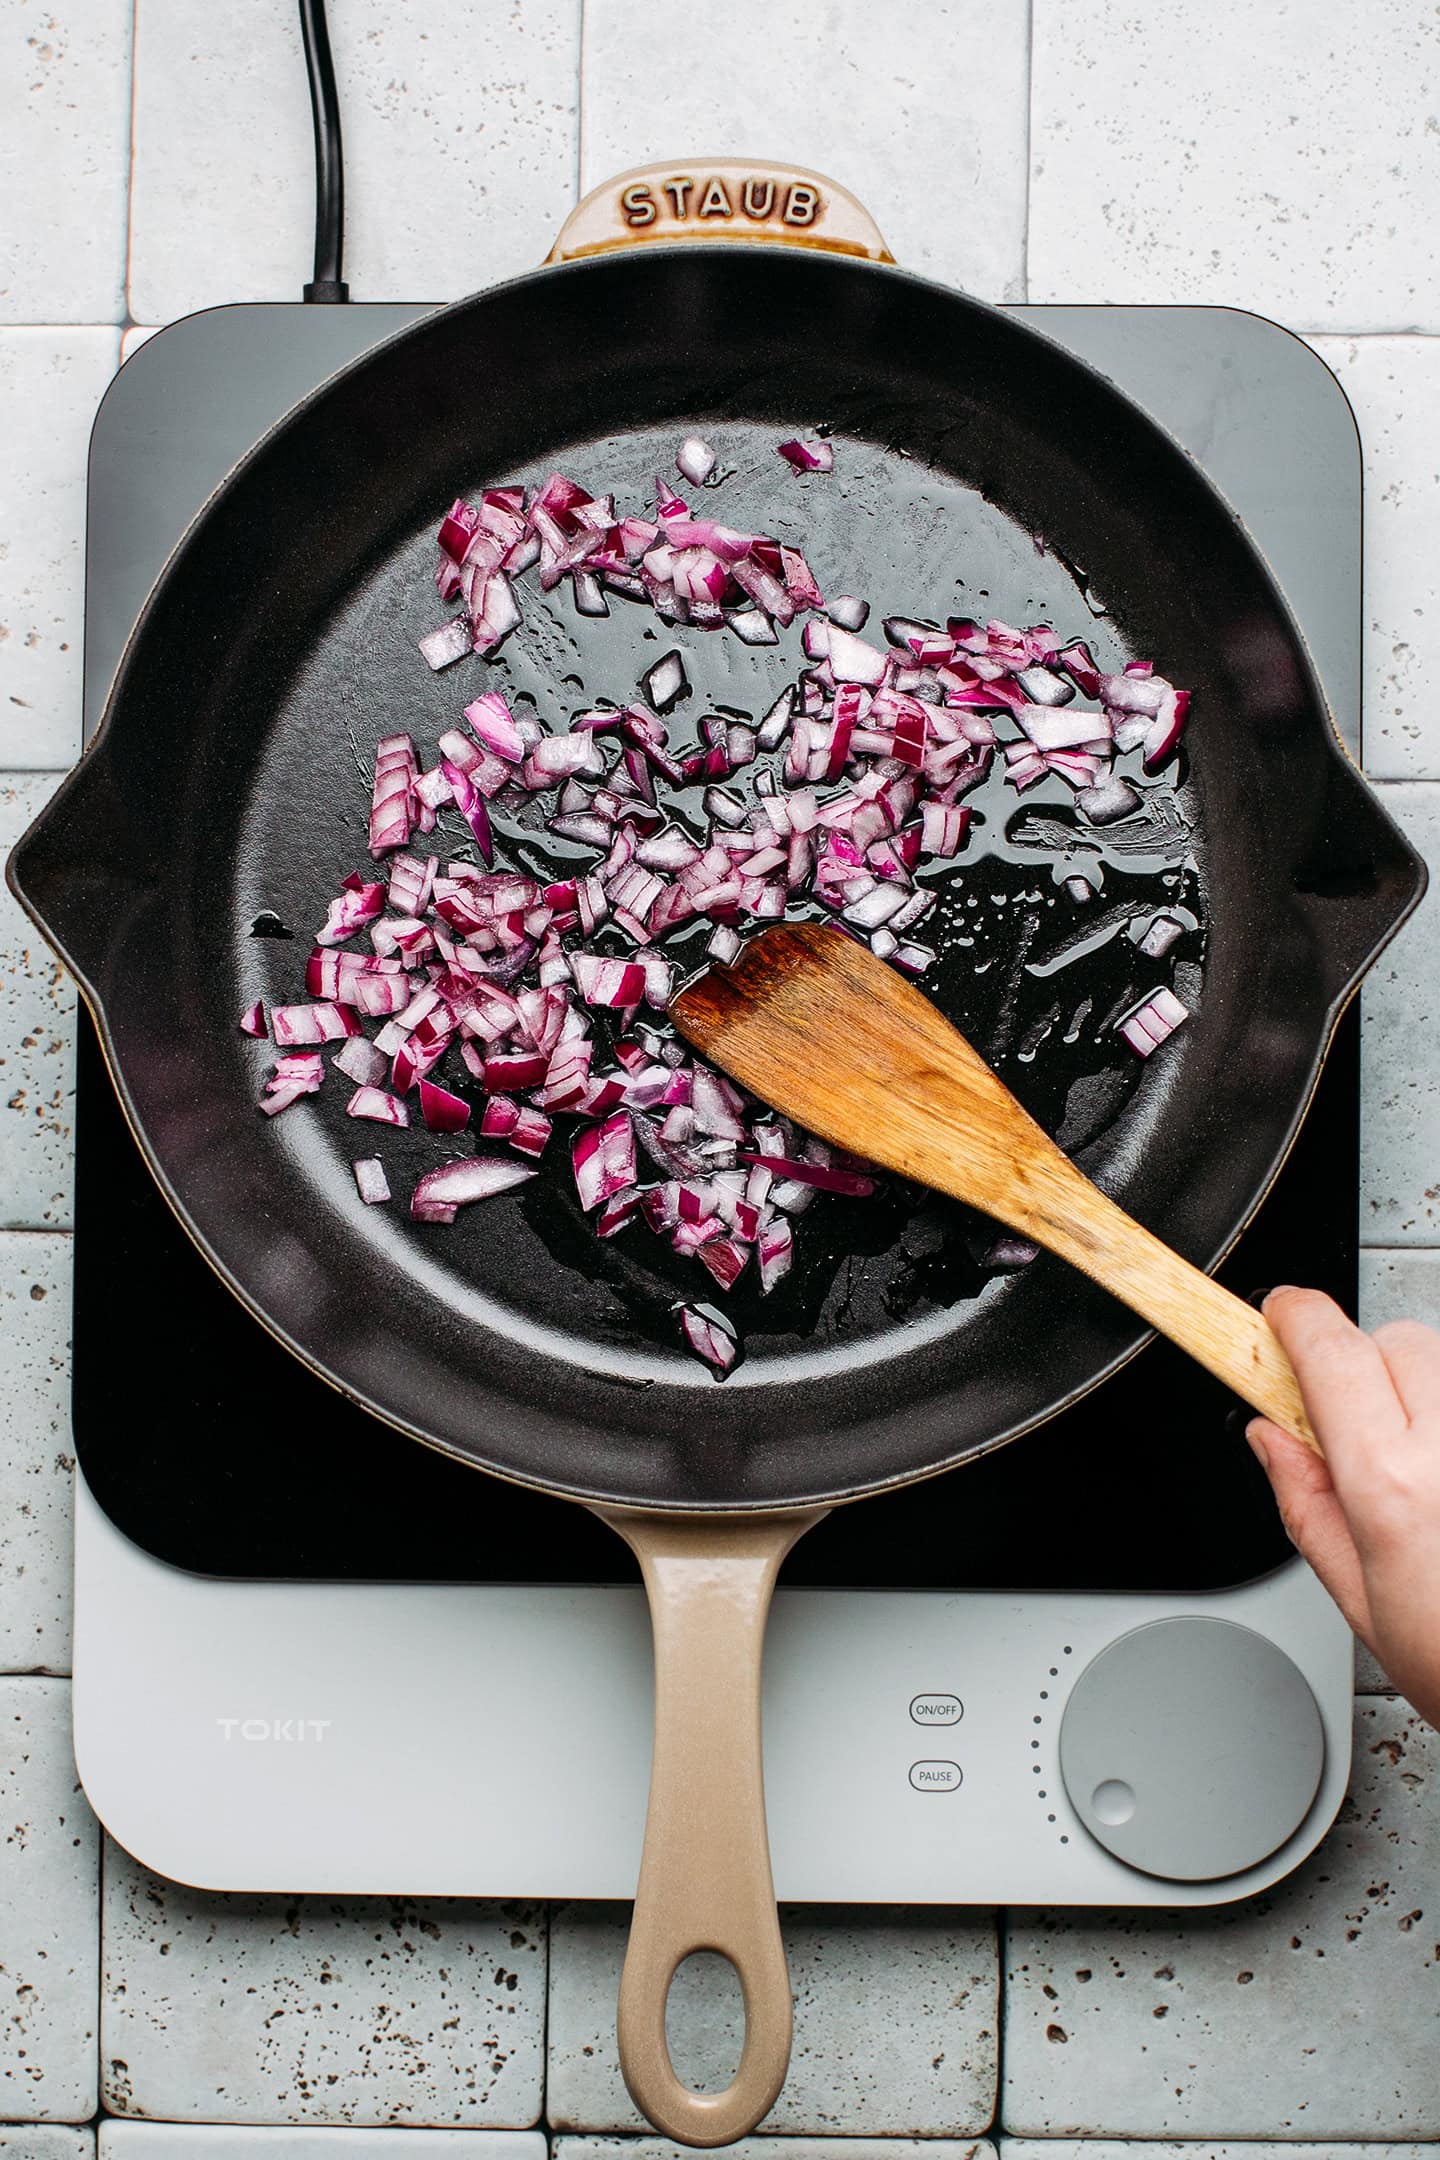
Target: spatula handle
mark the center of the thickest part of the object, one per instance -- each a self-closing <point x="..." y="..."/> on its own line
<point x="1220" y="1331"/>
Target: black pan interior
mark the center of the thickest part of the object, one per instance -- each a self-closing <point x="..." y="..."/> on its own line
<point x="978" y="470"/>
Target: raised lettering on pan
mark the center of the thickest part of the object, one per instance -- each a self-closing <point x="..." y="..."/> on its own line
<point x="715" y="202"/>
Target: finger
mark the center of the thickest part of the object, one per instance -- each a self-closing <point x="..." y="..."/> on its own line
<point x="1348" y="1391"/>
<point x="1313" y="1517"/>
<point x="1412" y="1357"/>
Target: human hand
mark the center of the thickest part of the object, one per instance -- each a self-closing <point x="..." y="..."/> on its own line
<point x="1367" y="1517"/>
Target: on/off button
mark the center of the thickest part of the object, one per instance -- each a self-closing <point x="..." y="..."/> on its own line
<point x="935" y="1776"/>
<point x="937" y="1709"/>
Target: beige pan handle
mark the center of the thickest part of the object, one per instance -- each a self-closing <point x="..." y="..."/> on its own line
<point x="720" y="199"/>
<point x="705" y="1879"/>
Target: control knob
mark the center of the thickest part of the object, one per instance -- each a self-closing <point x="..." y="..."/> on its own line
<point x="1191" y="1748"/>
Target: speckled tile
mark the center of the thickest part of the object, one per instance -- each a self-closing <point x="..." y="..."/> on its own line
<point x="1309" y="2012"/>
<point x="820" y="87"/>
<point x="1281" y="158"/>
<point x="1400" y="1072"/>
<point x="214" y="2141"/>
<point x="36" y="1463"/>
<point x="1131" y="2149"/>
<point x="64" y="148"/>
<point x="1400" y="1166"/>
<point x="422" y="2012"/>
<point x="895" y="2022"/>
<point x="37" y="2141"/>
<point x="460" y="146"/>
<point x="1399" y="1285"/>
<point x="37" y="1045"/>
<point x="1394" y="386"/>
<point x="779" y="2148"/>
<point x="51" y="382"/>
<point x="49" y="1911"/>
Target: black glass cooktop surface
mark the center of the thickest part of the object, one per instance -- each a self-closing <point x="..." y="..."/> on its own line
<point x="215" y="1450"/>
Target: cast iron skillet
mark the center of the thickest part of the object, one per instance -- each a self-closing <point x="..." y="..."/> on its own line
<point x="229" y="777"/>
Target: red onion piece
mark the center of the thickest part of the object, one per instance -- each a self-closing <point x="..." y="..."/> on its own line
<point x="440" y="648"/>
<point x="371" y="1181"/>
<point x="807" y="456"/>
<point x="442" y="1111"/>
<point x="695" y="460"/>
<point x="709" y="1334"/>
<point x="1152" y="1021"/>
<point x="458" y="1184"/>
<point x="374" y="1103"/>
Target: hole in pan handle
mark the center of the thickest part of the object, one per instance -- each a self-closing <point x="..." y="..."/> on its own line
<point x="705" y="1881"/>
<point x="740" y="199"/>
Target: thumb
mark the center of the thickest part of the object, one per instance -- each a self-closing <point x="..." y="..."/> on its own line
<point x="1313" y="1517"/>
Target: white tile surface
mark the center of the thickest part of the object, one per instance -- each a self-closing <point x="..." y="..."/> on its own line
<point x="1280" y="157"/>
<point x="37" y="1045"/>
<point x="1400" y="1069"/>
<point x="36" y="1462"/>
<point x="460" y="143"/>
<point x="1394" y="386"/>
<point x="779" y="2148"/>
<point x="1403" y="1285"/>
<point x="38" y="2141"/>
<point x="64" y="136"/>
<point x="51" y="381"/>
<point x="869" y="97"/>
<point x="361" y="2011"/>
<point x="1131" y="2149"/>
<point x="49" y="1912"/>
<point x="1307" y="2013"/>
<point x="895" y="2022"/>
<point x="193" y="2141"/>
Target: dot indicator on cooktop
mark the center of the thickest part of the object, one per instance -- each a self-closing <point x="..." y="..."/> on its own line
<point x="1191" y="1748"/>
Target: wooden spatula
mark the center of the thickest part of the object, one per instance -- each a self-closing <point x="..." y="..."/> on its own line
<point x="813" y="1023"/>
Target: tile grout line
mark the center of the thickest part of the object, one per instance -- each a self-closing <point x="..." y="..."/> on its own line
<point x="1029" y="133"/>
<point x="127" y="319"/>
<point x="1002" y="1976"/>
<point x="580" y="97"/>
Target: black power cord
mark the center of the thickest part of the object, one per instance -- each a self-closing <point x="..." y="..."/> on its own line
<point x="327" y="283"/>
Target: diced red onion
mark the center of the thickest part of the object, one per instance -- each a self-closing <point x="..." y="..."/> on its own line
<point x="665" y="681"/>
<point x="695" y="460"/>
<point x="1158" y="935"/>
<point x="379" y="1106"/>
<point x="710" y="1336"/>
<point x="252" y="1020"/>
<point x="440" y="648"/>
<point x="1152" y="1022"/>
<point x="442" y="1111"/>
<point x="1108" y="801"/>
<point x="807" y="456"/>
<point x="457" y="1184"/>
<point x="821" y="1175"/>
<point x="318" y="1023"/>
<point x="371" y="1181"/>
